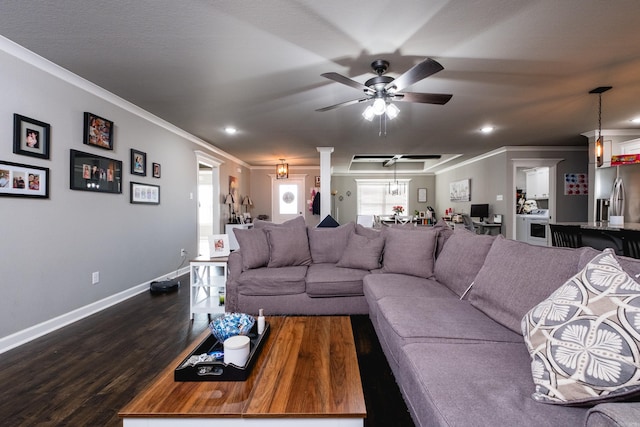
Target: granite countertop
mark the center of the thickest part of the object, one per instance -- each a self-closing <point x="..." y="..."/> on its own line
<point x="604" y="225"/>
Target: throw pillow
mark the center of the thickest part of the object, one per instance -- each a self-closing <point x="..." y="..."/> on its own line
<point x="584" y="340"/>
<point x="288" y="246"/>
<point x="409" y="252"/>
<point x="253" y="247"/>
<point x="362" y="252"/>
<point x="444" y="232"/>
<point x="327" y="244"/>
<point x="295" y="222"/>
<point x="328" y="221"/>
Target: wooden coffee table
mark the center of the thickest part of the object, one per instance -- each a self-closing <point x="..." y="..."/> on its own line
<point x="306" y="375"/>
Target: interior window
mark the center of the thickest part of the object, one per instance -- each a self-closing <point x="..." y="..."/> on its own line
<point x="375" y="198"/>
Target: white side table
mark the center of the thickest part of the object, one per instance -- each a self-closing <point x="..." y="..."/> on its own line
<point x="208" y="280"/>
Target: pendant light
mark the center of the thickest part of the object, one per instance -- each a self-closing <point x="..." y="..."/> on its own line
<point x="395" y="187"/>
<point x="599" y="140"/>
<point x="282" y="170"/>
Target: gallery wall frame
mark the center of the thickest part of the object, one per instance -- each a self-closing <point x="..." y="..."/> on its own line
<point x="156" y="170"/>
<point x="460" y="191"/>
<point x="144" y="194"/>
<point x="20" y="180"/>
<point x="422" y="195"/>
<point x="90" y="172"/>
<point x="138" y="162"/>
<point x="31" y="137"/>
<point x="98" y="131"/>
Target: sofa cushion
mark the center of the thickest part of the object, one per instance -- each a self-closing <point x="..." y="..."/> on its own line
<point x="480" y="385"/>
<point x="327" y="244"/>
<point x="444" y="232"/>
<point x="273" y="281"/>
<point x="584" y="339"/>
<point x="516" y="276"/>
<point x="362" y="252"/>
<point x="253" y="247"/>
<point x="288" y="246"/>
<point x="367" y="232"/>
<point x="377" y="286"/>
<point x="327" y="280"/>
<point x="295" y="222"/>
<point x="409" y="251"/>
<point x="461" y="259"/>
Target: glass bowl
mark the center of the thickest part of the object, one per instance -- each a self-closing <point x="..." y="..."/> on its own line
<point x="231" y="324"/>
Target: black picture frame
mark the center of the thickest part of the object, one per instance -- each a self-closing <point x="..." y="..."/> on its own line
<point x="90" y="172"/>
<point x="138" y="162"/>
<point x="19" y="180"/>
<point x="31" y="137"/>
<point x="156" y="170"/>
<point x="144" y="194"/>
<point x="98" y="131"/>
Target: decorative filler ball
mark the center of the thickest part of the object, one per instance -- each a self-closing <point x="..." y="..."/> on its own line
<point x="231" y="324"/>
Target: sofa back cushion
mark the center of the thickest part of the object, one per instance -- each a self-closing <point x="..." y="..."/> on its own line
<point x="444" y="232"/>
<point x="362" y="252"/>
<point x="288" y="246"/>
<point x="327" y="244"/>
<point x="253" y="247"/>
<point x="516" y="276"/>
<point x="295" y="222"/>
<point x="409" y="251"/>
<point x="461" y="258"/>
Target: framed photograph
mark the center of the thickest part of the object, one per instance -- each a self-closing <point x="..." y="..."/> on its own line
<point x="98" y="131"/>
<point x="422" y="214"/>
<point x="459" y="191"/>
<point x="90" y="172"/>
<point x="156" y="170"/>
<point x="317" y="182"/>
<point x="219" y="245"/>
<point x="146" y="194"/>
<point x="138" y="162"/>
<point x="18" y="180"/>
<point x="422" y="195"/>
<point x="31" y="137"/>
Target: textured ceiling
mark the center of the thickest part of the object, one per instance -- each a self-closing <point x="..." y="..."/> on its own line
<point x="525" y="67"/>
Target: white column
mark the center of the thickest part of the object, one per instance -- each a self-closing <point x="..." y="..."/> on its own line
<point x="325" y="181"/>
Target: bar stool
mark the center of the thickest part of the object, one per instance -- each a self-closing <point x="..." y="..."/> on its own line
<point x="630" y="243"/>
<point x="566" y="236"/>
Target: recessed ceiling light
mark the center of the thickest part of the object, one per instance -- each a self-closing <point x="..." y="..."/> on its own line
<point x="636" y="120"/>
<point x="487" y="129"/>
<point x="230" y="130"/>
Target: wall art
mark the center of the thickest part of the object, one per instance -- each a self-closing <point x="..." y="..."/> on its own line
<point x="138" y="162"/>
<point x="18" y="180"/>
<point x="98" y="131"/>
<point x="460" y="191"/>
<point x="156" y="170"/>
<point x="31" y="137"/>
<point x="146" y="194"/>
<point x="90" y="172"/>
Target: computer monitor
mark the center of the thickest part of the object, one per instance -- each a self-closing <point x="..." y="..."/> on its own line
<point x="480" y="211"/>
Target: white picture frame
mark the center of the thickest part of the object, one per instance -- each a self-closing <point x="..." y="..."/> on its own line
<point x="219" y="245"/>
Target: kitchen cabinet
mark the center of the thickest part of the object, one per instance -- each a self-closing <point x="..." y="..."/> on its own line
<point x="538" y="183"/>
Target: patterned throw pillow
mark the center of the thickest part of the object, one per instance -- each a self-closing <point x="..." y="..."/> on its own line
<point x="584" y="339"/>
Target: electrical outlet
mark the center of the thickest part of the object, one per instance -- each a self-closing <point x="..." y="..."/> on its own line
<point x="183" y="252"/>
<point x="95" y="277"/>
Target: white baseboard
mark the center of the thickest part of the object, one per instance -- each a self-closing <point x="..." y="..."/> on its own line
<point x="24" y="336"/>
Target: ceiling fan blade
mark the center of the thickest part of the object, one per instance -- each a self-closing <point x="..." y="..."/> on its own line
<point x="415" y="74"/>
<point x="346" y="81"/>
<point x="424" y="98"/>
<point x="343" y="104"/>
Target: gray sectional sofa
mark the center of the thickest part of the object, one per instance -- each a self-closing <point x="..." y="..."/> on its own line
<point x="449" y="309"/>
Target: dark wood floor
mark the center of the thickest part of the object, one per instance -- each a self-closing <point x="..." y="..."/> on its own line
<point x="83" y="374"/>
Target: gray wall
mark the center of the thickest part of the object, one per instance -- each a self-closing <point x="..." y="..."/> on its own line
<point x="51" y="246"/>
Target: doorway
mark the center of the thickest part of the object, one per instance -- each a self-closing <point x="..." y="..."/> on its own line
<point x="208" y="210"/>
<point x="287" y="198"/>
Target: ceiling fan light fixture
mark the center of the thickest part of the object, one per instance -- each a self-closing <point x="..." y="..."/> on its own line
<point x="379" y="106"/>
<point x="368" y="113"/>
<point x="392" y="111"/>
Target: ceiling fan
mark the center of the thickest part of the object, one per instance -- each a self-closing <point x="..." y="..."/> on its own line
<point x="384" y="89"/>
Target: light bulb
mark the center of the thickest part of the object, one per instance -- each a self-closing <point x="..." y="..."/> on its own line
<point x="379" y="106"/>
<point x="368" y="113"/>
<point x="392" y="111"/>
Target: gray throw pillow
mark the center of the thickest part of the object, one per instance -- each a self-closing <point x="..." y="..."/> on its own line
<point x="362" y="252"/>
<point x="295" y="222"/>
<point x="288" y="246"/>
<point x="253" y="247"/>
<point x="584" y="339"/>
<point x="409" y="251"/>
<point x="327" y="244"/>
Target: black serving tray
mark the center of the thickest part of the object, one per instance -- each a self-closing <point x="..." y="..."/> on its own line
<point x="217" y="370"/>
